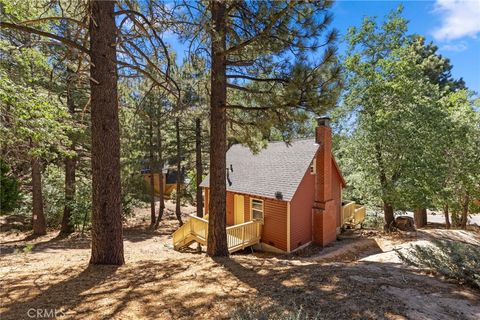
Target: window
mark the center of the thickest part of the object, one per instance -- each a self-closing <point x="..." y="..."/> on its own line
<point x="313" y="166"/>
<point x="257" y="209"/>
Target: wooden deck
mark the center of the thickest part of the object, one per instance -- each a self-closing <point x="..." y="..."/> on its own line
<point x="239" y="236"/>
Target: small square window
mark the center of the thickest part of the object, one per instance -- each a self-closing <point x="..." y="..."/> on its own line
<point x="257" y="209"/>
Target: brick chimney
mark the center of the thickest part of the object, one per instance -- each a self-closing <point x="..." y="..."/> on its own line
<point x="323" y="179"/>
<point x="323" y="203"/>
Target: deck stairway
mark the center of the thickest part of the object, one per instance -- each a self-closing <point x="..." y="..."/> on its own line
<point x="195" y="229"/>
<point x="352" y="214"/>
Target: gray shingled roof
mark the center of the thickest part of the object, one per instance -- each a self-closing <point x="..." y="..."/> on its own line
<point x="279" y="167"/>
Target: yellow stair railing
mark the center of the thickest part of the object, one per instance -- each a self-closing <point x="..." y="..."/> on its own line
<point x="195" y="229"/>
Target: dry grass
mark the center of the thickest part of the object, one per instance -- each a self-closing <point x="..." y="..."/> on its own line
<point x="354" y="279"/>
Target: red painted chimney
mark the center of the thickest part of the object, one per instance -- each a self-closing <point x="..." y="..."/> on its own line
<point x="323" y="181"/>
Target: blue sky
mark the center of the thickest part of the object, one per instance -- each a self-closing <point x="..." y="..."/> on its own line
<point x="453" y="25"/>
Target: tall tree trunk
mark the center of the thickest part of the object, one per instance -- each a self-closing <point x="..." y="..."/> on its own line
<point x="447" y="217"/>
<point x="67" y="226"/>
<point x="464" y="219"/>
<point x="178" y="212"/>
<point x="160" y="181"/>
<point x="387" y="207"/>
<point x="217" y="234"/>
<point x="152" y="174"/>
<point x="389" y="217"/>
<point x="198" y="165"/>
<point x="38" y="218"/>
<point x="420" y="217"/>
<point x="107" y="235"/>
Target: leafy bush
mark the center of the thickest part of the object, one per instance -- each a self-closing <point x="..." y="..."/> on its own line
<point x="53" y="191"/>
<point x="452" y="259"/>
<point x="257" y="312"/>
<point x="173" y="195"/>
<point x="130" y="202"/>
<point x="373" y="221"/>
<point x="27" y="249"/>
<point x="456" y="219"/>
<point x="9" y="191"/>
<point x="82" y="206"/>
<point x="185" y="197"/>
<point x="134" y="190"/>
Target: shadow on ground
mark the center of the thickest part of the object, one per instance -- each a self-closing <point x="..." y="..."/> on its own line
<point x="194" y="286"/>
<point x="159" y="283"/>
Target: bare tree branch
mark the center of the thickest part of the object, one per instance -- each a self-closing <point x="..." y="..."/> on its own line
<point x="236" y="87"/>
<point x="241" y="76"/>
<point x="34" y="21"/>
<point x="242" y="107"/>
<point x="73" y="44"/>
<point x="274" y="19"/>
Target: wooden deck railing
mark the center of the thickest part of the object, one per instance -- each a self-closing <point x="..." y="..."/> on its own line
<point x="196" y="229"/>
<point x="352" y="214"/>
<point x="243" y="235"/>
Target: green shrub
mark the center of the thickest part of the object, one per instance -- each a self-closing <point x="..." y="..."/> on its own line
<point x="82" y="206"/>
<point x="373" y="221"/>
<point x="452" y="259"/>
<point x="54" y="198"/>
<point x="173" y="195"/>
<point x="130" y="202"/>
<point x="9" y="191"/>
<point x="53" y="191"/>
<point x="27" y="249"/>
<point x="256" y="312"/>
<point x="456" y="219"/>
<point x="185" y="197"/>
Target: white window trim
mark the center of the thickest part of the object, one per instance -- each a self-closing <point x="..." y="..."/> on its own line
<point x="251" y="208"/>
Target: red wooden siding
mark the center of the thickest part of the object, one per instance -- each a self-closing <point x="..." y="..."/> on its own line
<point x="337" y="193"/>
<point x="274" y="230"/>
<point x="301" y="212"/>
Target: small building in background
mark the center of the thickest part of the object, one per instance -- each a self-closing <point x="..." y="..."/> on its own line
<point x="169" y="179"/>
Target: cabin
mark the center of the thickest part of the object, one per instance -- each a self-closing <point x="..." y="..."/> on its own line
<point x="169" y="180"/>
<point x="286" y="196"/>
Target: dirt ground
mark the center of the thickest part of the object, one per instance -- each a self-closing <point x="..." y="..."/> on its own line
<point x="359" y="278"/>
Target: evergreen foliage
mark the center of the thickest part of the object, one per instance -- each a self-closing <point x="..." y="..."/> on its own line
<point x="400" y="121"/>
<point x="9" y="190"/>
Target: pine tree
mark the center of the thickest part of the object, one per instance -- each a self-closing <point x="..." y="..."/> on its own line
<point x="396" y="92"/>
<point x="251" y="47"/>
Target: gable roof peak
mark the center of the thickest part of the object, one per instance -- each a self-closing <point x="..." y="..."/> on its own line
<point x="279" y="167"/>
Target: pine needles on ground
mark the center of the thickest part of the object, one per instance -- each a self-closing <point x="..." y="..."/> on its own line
<point x="259" y="313"/>
<point x="452" y="259"/>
